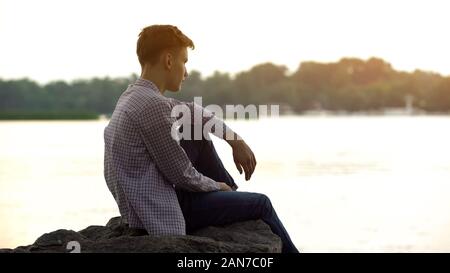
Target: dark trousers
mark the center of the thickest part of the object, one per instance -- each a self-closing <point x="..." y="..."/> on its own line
<point x="202" y="209"/>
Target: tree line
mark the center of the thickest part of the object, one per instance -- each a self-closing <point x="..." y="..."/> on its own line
<point x="349" y="85"/>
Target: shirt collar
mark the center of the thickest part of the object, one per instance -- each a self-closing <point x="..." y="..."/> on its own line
<point x="146" y="83"/>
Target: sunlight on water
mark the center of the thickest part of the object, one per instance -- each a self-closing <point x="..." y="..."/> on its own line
<point x="339" y="184"/>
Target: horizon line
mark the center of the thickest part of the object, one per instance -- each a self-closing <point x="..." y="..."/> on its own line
<point x="289" y="72"/>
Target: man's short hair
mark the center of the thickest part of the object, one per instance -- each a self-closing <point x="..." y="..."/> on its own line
<point x="156" y="38"/>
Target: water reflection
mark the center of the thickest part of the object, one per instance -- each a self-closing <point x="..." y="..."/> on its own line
<point x="340" y="184"/>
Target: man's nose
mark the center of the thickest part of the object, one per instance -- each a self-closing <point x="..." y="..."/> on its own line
<point x="185" y="74"/>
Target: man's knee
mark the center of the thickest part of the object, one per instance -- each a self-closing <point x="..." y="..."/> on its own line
<point x="265" y="204"/>
<point x="208" y="144"/>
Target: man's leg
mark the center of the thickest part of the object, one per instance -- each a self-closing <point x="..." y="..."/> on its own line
<point x="221" y="208"/>
<point x="205" y="159"/>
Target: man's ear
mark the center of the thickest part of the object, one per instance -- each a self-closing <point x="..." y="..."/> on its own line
<point x="168" y="60"/>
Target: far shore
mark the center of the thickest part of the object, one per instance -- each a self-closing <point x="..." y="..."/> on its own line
<point x="36" y="116"/>
<point x="49" y="116"/>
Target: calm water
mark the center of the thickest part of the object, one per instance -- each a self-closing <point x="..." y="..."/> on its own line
<point x="340" y="184"/>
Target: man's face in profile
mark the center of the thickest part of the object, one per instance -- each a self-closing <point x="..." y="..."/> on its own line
<point x="178" y="72"/>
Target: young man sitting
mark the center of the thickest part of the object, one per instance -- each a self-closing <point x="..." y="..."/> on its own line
<point x="166" y="186"/>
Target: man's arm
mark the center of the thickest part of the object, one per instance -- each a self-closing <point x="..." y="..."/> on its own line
<point x="243" y="156"/>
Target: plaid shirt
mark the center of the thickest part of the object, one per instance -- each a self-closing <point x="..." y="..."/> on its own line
<point x="143" y="163"/>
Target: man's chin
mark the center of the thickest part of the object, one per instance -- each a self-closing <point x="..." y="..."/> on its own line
<point x="174" y="90"/>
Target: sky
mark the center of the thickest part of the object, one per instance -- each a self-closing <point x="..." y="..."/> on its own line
<point x="50" y="40"/>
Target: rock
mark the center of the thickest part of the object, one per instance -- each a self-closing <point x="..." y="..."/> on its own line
<point x="242" y="237"/>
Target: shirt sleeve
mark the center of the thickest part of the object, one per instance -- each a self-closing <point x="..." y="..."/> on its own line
<point x="155" y="127"/>
<point x="203" y="117"/>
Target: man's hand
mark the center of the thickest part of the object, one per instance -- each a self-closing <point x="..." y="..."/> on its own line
<point x="243" y="157"/>
<point x="224" y="187"/>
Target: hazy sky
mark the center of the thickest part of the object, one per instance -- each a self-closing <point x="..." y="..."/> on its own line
<point x="48" y="40"/>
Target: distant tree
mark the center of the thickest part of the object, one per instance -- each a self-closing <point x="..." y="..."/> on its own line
<point x="350" y="84"/>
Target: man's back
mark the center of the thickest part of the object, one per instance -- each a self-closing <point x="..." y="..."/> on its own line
<point x="144" y="198"/>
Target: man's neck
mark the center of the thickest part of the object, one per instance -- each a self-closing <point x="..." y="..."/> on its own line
<point x="155" y="79"/>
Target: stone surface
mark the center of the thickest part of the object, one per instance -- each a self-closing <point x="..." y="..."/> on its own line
<point x="241" y="237"/>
